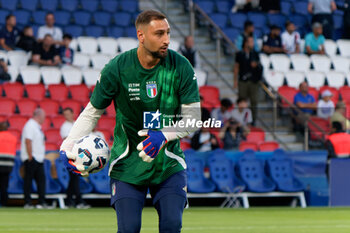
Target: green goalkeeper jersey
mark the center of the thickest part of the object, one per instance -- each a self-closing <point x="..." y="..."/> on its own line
<point x="137" y="93"/>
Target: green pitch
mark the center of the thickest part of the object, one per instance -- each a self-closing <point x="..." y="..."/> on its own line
<point x="201" y="220"/>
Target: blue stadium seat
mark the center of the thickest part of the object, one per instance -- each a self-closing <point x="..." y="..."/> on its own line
<point x="62" y="174"/>
<point x="300" y="21"/>
<point x="258" y="19"/>
<point x="130" y="32"/>
<point x="89" y="5"/>
<point x="277" y="19"/>
<point x="109" y="5"/>
<point x="35" y="29"/>
<point x="3" y="14"/>
<point x="52" y="186"/>
<point x="222" y="173"/>
<point x="196" y="182"/>
<point x="300" y="7"/>
<point x="74" y="30"/>
<point x="251" y="171"/>
<point x="22" y="16"/>
<point x="39" y="17"/>
<point x="129" y="6"/>
<point x="15" y="185"/>
<point x="69" y="5"/>
<point x="9" y="4"/>
<point x="85" y="187"/>
<point x="223" y="6"/>
<point x="82" y="18"/>
<point x="286" y="7"/>
<point x="337" y="21"/>
<point x="259" y="33"/>
<point x="122" y="19"/>
<point x="206" y="6"/>
<point x="232" y="33"/>
<point x="237" y="20"/>
<point x="62" y="17"/>
<point x="102" y="18"/>
<point x="94" y="31"/>
<point x="219" y="19"/>
<point x="49" y="5"/>
<point x="100" y="181"/>
<point x="115" y="32"/>
<point x="29" y="5"/>
<point x="280" y="169"/>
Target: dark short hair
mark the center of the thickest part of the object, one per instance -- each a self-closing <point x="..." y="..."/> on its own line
<point x="226" y="102"/>
<point x="145" y="17"/>
<point x="288" y="23"/>
<point x="67" y="36"/>
<point x="68" y="109"/>
<point x="247" y="24"/>
<point x="239" y="100"/>
<point x="337" y="126"/>
<point x="9" y="16"/>
<point x="48" y="35"/>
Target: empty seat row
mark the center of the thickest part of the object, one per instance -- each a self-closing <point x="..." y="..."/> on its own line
<point x="71" y="5"/>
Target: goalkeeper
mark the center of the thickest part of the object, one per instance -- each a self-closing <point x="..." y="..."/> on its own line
<point x="148" y="86"/>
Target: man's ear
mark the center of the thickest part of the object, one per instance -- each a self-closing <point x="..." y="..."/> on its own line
<point x="140" y="35"/>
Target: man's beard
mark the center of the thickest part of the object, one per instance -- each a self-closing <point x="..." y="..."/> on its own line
<point x="158" y="54"/>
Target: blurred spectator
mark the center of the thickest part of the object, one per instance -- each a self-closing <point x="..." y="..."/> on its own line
<point x="9" y="34"/>
<point x="32" y="154"/>
<point x="272" y="43"/>
<point x="49" y="28"/>
<point x="188" y="51"/>
<point x="248" y="73"/>
<point x="245" y="5"/>
<point x="270" y="6"/>
<point x="248" y="31"/>
<point x="242" y="114"/>
<point x="7" y="155"/>
<point x="291" y="39"/>
<point x="66" y="53"/>
<point x="322" y="13"/>
<point x="231" y="135"/>
<point x="4" y="76"/>
<point x="224" y="113"/>
<point x="203" y="140"/>
<point x="73" y="186"/>
<point x="339" y="115"/>
<point x="304" y="100"/>
<point x="45" y="53"/>
<point x="314" y="41"/>
<point x="346" y="18"/>
<point x="325" y="107"/>
<point x="27" y="40"/>
<point x="205" y="113"/>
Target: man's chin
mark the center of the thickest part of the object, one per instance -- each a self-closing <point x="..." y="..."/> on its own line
<point x="160" y="54"/>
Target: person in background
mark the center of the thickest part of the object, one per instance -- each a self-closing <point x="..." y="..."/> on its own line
<point x="188" y="51"/>
<point x="325" y="107"/>
<point x="270" y="6"/>
<point x="305" y="101"/>
<point x="203" y="140"/>
<point x="7" y="156"/>
<point x="291" y="39"/>
<point x="224" y="113"/>
<point x="231" y="135"/>
<point x="4" y="76"/>
<point x="245" y="5"/>
<point x="45" y="53"/>
<point x="248" y="31"/>
<point x="49" y="28"/>
<point x="66" y="53"/>
<point x="339" y="115"/>
<point x="314" y="41"/>
<point x="272" y="43"/>
<point x="32" y="154"/>
<point x="247" y="74"/>
<point x="242" y="114"/>
<point x="9" y="34"/>
<point x="73" y="186"/>
<point x="322" y="13"/>
<point x="27" y="41"/>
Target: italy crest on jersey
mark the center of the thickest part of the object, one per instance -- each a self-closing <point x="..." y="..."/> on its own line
<point x="151" y="90"/>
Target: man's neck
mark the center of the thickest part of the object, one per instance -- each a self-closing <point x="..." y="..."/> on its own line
<point x="9" y="27"/>
<point x="147" y="61"/>
<point x="49" y="26"/>
<point x="46" y="47"/>
<point x="246" y="50"/>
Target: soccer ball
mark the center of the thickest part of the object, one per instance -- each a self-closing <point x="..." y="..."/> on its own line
<point x="93" y="152"/>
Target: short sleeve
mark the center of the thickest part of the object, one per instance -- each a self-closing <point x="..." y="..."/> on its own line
<point x="41" y="33"/>
<point x="107" y="87"/>
<point x="28" y="132"/>
<point x="296" y="99"/>
<point x="188" y="91"/>
<point x="308" y="40"/>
